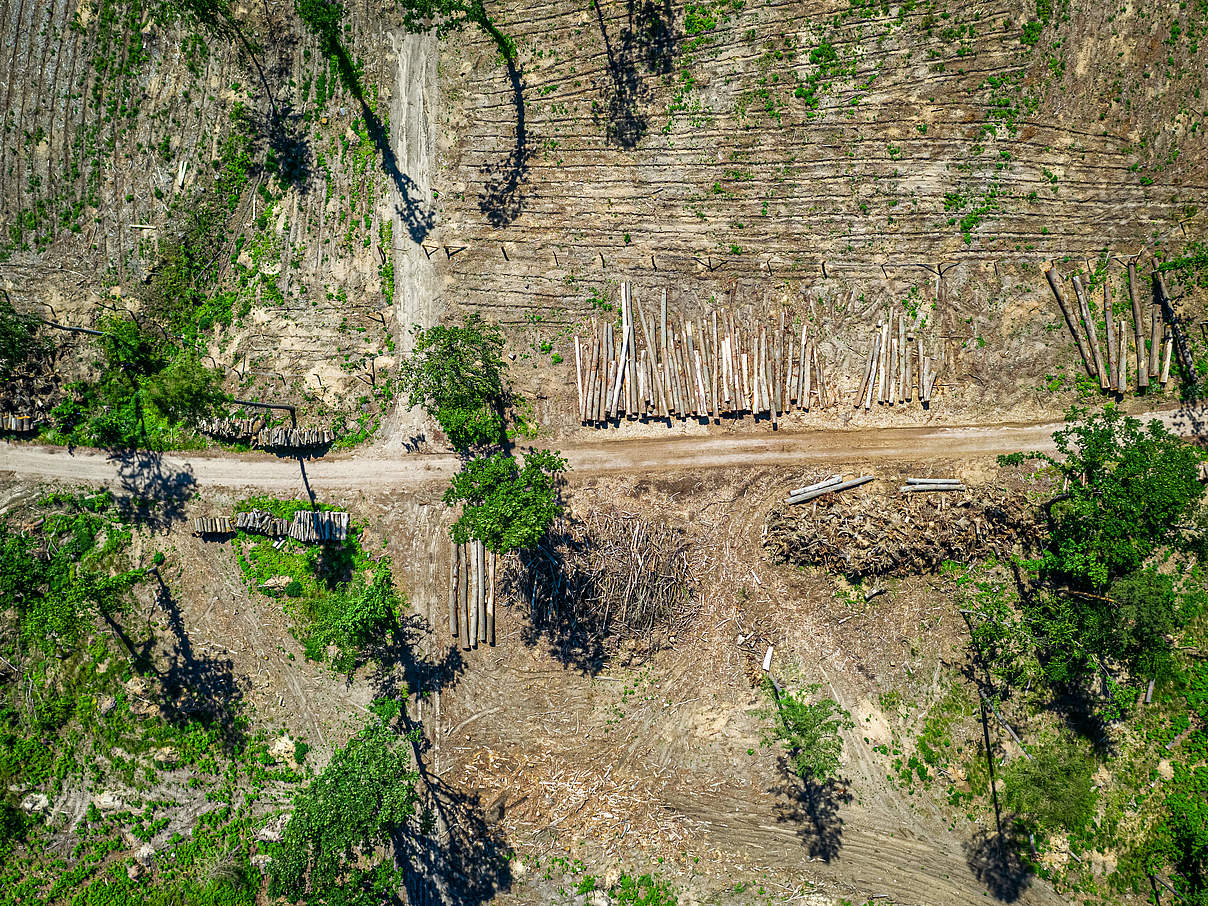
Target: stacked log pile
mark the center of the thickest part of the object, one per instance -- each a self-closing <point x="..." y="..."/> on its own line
<point x="18" y="424"/>
<point x="294" y="438"/>
<point x="1162" y="326"/>
<point x="608" y="577"/>
<point x="911" y="533"/>
<point x="897" y="368"/>
<point x="212" y="525"/>
<point x="703" y="368"/>
<point x="311" y="528"/>
<point x="306" y="526"/>
<point x="472" y="594"/>
<point x="231" y="430"/>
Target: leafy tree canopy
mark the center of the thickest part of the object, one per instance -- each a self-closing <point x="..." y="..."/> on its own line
<point x="1129" y="486"/>
<point x="188" y="391"/>
<point x="444" y="16"/>
<point x="809" y="731"/>
<point x="1053" y="790"/>
<point x="18" y="337"/>
<point x="364" y="795"/>
<point x="506" y="506"/>
<point x="457" y="374"/>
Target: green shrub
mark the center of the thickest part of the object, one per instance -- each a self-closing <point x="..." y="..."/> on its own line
<point x="809" y="732"/>
<point x="1053" y="790"/>
<point x="504" y="505"/>
<point x="365" y="795"/>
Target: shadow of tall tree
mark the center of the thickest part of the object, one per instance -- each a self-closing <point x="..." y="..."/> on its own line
<point x="323" y="18"/>
<point x="995" y="860"/>
<point x="502" y="198"/>
<point x="813" y="807"/>
<point x="155" y="492"/>
<point x="647" y="39"/>
<point x="197" y="688"/>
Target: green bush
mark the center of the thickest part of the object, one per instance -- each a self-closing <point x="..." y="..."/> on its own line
<point x="328" y="851"/>
<point x="809" y="732"/>
<point x="1053" y="790"/>
<point x="1129" y="487"/>
<point x="457" y="375"/>
<point x="504" y="505"/>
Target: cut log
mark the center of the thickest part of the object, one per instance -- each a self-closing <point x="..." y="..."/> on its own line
<point x="1138" y="327"/>
<point x="491" y="599"/>
<point x="463" y="595"/>
<point x="876" y="364"/>
<point x="830" y="489"/>
<point x="1155" y="341"/>
<point x="868" y="363"/>
<point x="1054" y="277"/>
<point x="826" y="482"/>
<point x="453" y="571"/>
<point x="1091" y="333"/>
<point x="1113" y="348"/>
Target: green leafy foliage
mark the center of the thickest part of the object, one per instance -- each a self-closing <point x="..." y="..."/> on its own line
<point x="445" y="16"/>
<point x="1184" y="832"/>
<point x="146" y="388"/>
<point x="457" y="375"/>
<point x="506" y="506"/>
<point x="1129" y="487"/>
<point x="18" y="337"/>
<point x="808" y="731"/>
<point x="187" y="391"/>
<point x="364" y="795"/>
<point x="339" y="597"/>
<point x="1054" y="790"/>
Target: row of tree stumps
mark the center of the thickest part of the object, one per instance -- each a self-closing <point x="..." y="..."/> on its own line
<point x="1162" y="326"/>
<point x="472" y="594"/>
<point x="695" y="368"/>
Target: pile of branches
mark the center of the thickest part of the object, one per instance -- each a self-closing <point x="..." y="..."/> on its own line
<point x="909" y="534"/>
<point x="608" y="577"/>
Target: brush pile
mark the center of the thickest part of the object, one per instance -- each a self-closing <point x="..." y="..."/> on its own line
<point x="611" y="575"/>
<point x="901" y="535"/>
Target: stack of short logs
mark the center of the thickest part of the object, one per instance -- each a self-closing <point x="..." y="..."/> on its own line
<point x="18" y="424"/>
<point x="700" y="368"/>
<point x="294" y="438"/>
<point x="307" y="526"/>
<point x="231" y="430"/>
<point x="212" y="525"/>
<point x="897" y="367"/>
<point x="472" y="594"/>
<point x="1161" y="326"/>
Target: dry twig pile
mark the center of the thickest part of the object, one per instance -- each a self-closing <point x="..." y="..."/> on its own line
<point x="610" y="575"/>
<point x="900" y="535"/>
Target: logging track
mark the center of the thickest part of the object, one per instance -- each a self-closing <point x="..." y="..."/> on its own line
<point x="373" y="471"/>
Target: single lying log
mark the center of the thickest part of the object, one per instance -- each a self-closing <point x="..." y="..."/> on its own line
<point x="1092" y="336"/>
<point x="930" y="488"/>
<point x="1054" y="277"/>
<point x="829" y="489"/>
<point x="834" y="479"/>
<point x="1138" y="327"/>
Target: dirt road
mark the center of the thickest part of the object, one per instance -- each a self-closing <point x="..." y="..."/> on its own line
<point x="375" y="470"/>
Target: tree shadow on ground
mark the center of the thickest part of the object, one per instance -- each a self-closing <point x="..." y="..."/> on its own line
<point x="995" y="860"/>
<point x="813" y="807"/>
<point x="464" y="859"/>
<point x="197" y="688"/>
<point x="417" y="216"/>
<point x="153" y="492"/>
<point x="502" y="200"/>
<point x="554" y="590"/>
<point x="648" y="37"/>
<point x="459" y="856"/>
